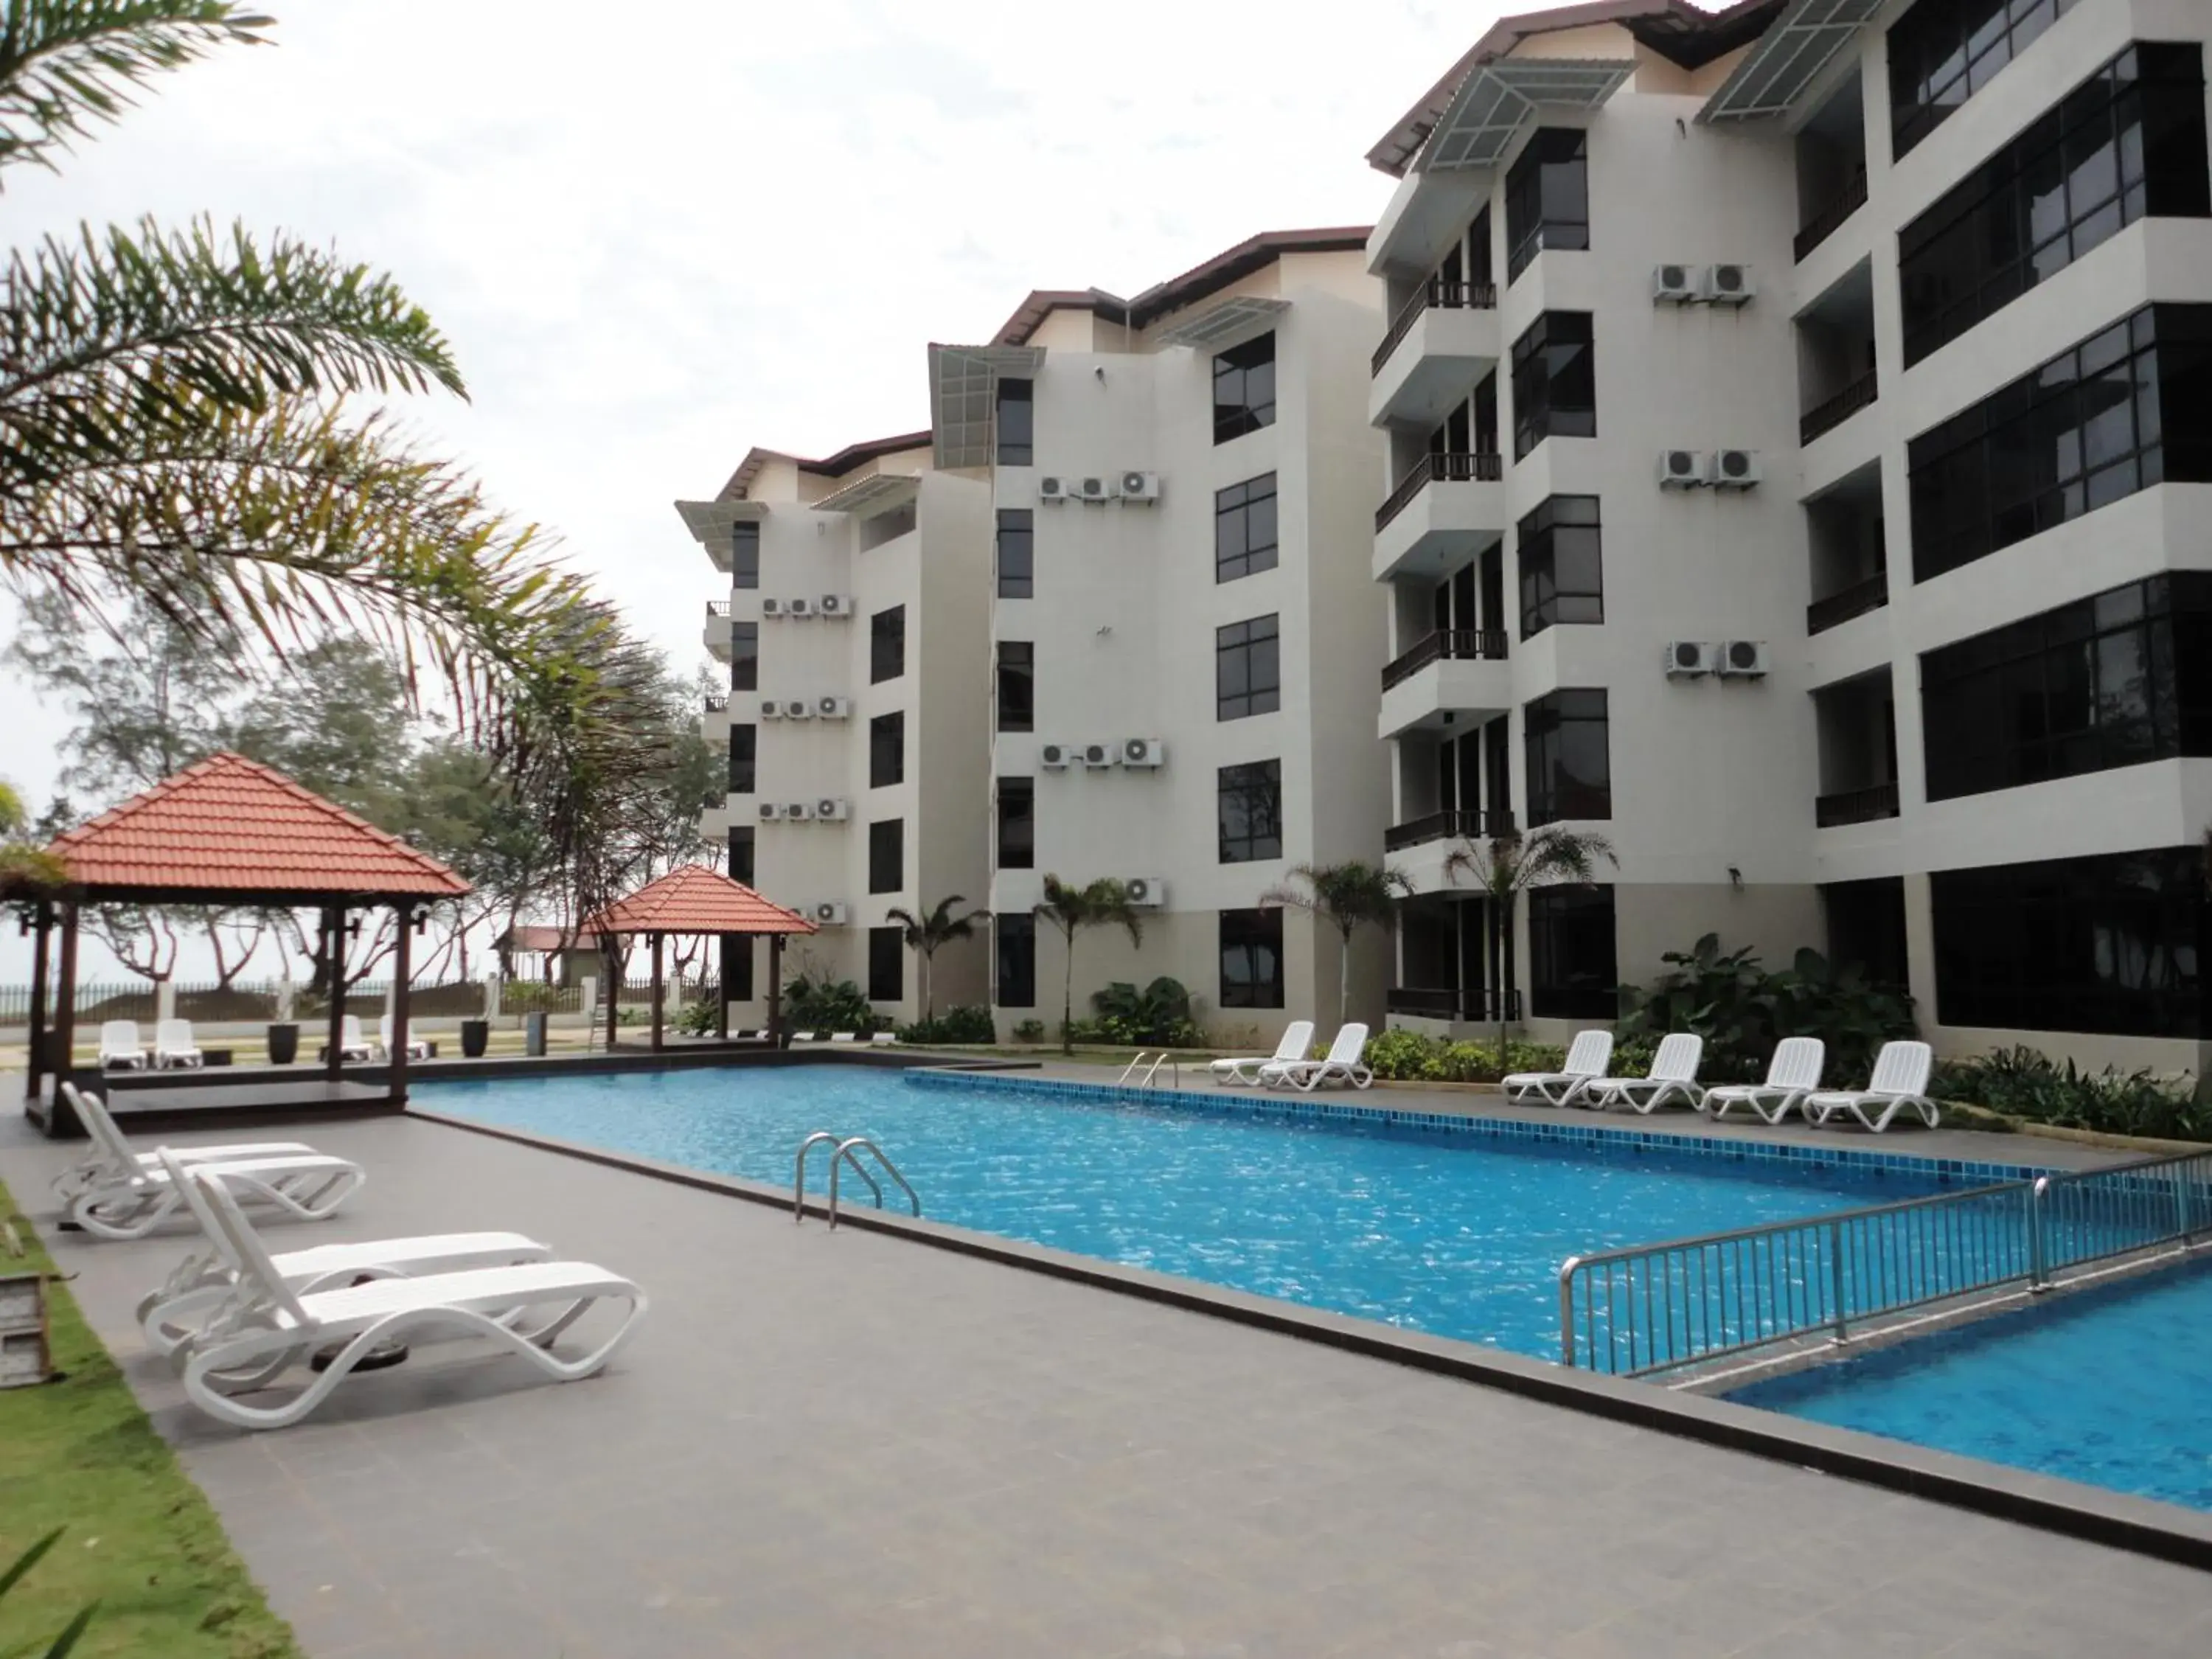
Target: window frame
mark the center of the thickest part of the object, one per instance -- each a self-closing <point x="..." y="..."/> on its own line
<point x="1013" y="662"/>
<point x="745" y="758"/>
<point x="1254" y="931"/>
<point x="1013" y="960"/>
<point x="1530" y="228"/>
<point x="745" y="656"/>
<point x="744" y="869"/>
<point x="1556" y="914"/>
<point x="1007" y="791"/>
<point x="745" y="555"/>
<point x="1020" y="450"/>
<point x="1237" y="509"/>
<point x="887" y="856"/>
<point x="1556" y="352"/>
<point x="1252" y="656"/>
<point x="1546" y="725"/>
<point x="887" y="736"/>
<point x="887" y="964"/>
<point x="1248" y="798"/>
<point x="1933" y="52"/>
<point x="1244" y="374"/>
<point x="887" y="644"/>
<point x="1014" y="543"/>
<point x="1536" y="549"/>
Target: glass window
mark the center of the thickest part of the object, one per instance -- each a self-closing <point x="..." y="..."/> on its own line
<point x="1017" y="823"/>
<point x="1244" y="528"/>
<point x="1251" y="801"/>
<point x="1942" y="51"/>
<point x="1017" y="953"/>
<point x="1017" y="552"/>
<point x="1554" y="381"/>
<point x="887" y="856"/>
<point x="1572" y="972"/>
<point x="744" y="554"/>
<point x="2130" y="142"/>
<point x="736" y="966"/>
<point x="1561" y="575"/>
<point x="1546" y="196"/>
<point x="1244" y="388"/>
<point x="1017" y="685"/>
<point x="743" y="740"/>
<point x="1016" y="423"/>
<point x="1251" y="959"/>
<point x="1570" y="768"/>
<point x="2104" y="944"/>
<point x="741" y="854"/>
<point x="745" y="656"/>
<point x="887" y="749"/>
<point x="886" y="964"/>
<point x="887" y="644"/>
<point x="1247" y="669"/>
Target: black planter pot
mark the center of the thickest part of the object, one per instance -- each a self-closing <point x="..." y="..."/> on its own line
<point x="284" y="1043"/>
<point x="476" y="1037"/>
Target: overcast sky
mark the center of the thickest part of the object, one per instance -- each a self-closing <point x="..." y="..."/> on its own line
<point x="658" y="237"/>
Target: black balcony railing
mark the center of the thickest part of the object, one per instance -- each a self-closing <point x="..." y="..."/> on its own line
<point x="1439" y="469"/>
<point x="1434" y="295"/>
<point x="1468" y="1006"/>
<point x="1470" y="825"/>
<point x="1831" y="219"/>
<point x="1856" y="806"/>
<point x="717" y="702"/>
<point x="718" y="607"/>
<point x="1855" y="600"/>
<point x="1828" y="416"/>
<point x="1482" y="644"/>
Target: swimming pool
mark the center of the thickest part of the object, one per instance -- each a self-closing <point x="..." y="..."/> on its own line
<point x="2104" y="1385"/>
<point x="1448" y="1233"/>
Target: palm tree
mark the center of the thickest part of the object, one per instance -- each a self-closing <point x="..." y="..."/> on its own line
<point x="924" y="932"/>
<point x="1348" y="897"/>
<point x="1504" y="866"/>
<point x="1072" y="910"/>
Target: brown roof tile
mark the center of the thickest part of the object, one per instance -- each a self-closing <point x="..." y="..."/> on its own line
<point x="693" y="899"/>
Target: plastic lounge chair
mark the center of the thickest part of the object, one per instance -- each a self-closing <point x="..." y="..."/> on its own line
<point x="1341" y="1065"/>
<point x="1792" y="1075"/>
<point x="883" y="1039"/>
<point x="1589" y="1056"/>
<point x="120" y="1047"/>
<point x="201" y="1284"/>
<point x="173" y="1045"/>
<point x="841" y="1037"/>
<point x="269" y="1326"/>
<point x="418" y="1048"/>
<point x="1899" y="1081"/>
<point x="122" y="1194"/>
<point x="1673" y="1076"/>
<point x="1298" y="1041"/>
<point x="352" y="1045"/>
<point x="802" y="1036"/>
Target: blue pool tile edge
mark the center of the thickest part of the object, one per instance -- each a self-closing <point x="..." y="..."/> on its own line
<point x="1609" y="1137"/>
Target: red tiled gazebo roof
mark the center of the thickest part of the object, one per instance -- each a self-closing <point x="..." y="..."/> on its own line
<point x="231" y="828"/>
<point x="693" y="899"/>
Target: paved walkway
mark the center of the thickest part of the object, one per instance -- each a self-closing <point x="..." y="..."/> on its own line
<point x="845" y="1446"/>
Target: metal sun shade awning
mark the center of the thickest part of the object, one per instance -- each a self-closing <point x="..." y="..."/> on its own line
<point x="1788" y="59"/>
<point x="872" y="496"/>
<point x="710" y="522"/>
<point x="1497" y="99"/>
<point x="963" y="389"/>
<point x="1231" y="322"/>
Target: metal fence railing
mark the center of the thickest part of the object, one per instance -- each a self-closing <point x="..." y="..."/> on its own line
<point x="257" y="1002"/>
<point x="1654" y="1308"/>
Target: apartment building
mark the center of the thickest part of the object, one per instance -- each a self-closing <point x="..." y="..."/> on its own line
<point x="1800" y="429"/>
<point x="856" y="623"/>
<point x="1183" y="634"/>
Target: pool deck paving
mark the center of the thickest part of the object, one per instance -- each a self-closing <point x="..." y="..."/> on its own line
<point x="849" y="1444"/>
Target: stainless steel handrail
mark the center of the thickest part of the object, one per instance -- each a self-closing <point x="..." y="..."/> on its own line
<point x="1132" y="1067"/>
<point x="848" y="1153"/>
<point x="1167" y="1059"/>
<point x="798" y="1170"/>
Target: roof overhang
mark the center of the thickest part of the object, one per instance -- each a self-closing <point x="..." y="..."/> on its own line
<point x="1485" y="115"/>
<point x="710" y="523"/>
<point x="1772" y="81"/>
<point x="868" y="497"/>
<point x="963" y="388"/>
<point x="1231" y="322"/>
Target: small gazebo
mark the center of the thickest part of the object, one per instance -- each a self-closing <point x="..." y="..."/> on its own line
<point x="691" y="899"/>
<point x="230" y="831"/>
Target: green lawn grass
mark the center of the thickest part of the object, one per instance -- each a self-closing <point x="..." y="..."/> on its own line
<point x="141" y="1539"/>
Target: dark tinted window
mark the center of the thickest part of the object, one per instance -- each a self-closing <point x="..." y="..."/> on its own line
<point x="1017" y="411"/>
<point x="1943" y="52"/>
<point x="887" y="749"/>
<point x="1017" y="953"/>
<point x="2128" y="143"/>
<point x="745" y="656"/>
<point x="1547" y="198"/>
<point x="741" y="854"/>
<point x="1244" y="388"/>
<point x="886" y="964"/>
<point x="743" y="750"/>
<point x="737" y="966"/>
<point x="887" y="644"/>
<point x="1017" y="823"/>
<point x="1572" y="972"/>
<point x="1554" y="381"/>
<point x="1017" y="685"/>
<point x="1017" y="552"/>
<point x="887" y="856"/>
<point x="2108" y="945"/>
<point x="1250" y="805"/>
<point x="1244" y="528"/>
<point x="1247" y="669"/>
<point x="744" y="555"/>
<point x="1561" y="575"/>
<point x="1570" y="768"/>
<point x="1251" y="959"/>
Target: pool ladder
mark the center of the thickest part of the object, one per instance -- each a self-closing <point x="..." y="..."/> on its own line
<point x="1162" y="1058"/>
<point x="847" y="1153"/>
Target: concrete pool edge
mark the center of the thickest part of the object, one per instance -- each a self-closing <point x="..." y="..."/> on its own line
<point x="2141" y="1526"/>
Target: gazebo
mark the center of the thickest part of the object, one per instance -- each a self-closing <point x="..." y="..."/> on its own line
<point x="230" y="831"/>
<point x="691" y="899"/>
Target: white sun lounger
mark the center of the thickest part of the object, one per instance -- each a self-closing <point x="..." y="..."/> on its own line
<point x="1900" y="1082"/>
<point x="841" y="1036"/>
<point x="1589" y="1056"/>
<point x="802" y="1036"/>
<point x="173" y="1045"/>
<point x="120" y="1045"/>
<point x="1673" y="1076"/>
<point x="1792" y="1075"/>
<point x="883" y="1039"/>
<point x="122" y="1194"/>
<point x="1341" y="1065"/>
<point x="271" y="1325"/>
<point x="1297" y="1038"/>
<point x="352" y="1044"/>
<point x="199" y="1287"/>
<point x="418" y="1048"/>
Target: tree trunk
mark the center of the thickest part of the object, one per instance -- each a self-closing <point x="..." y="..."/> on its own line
<point x="1344" y="976"/>
<point x="1067" y="1000"/>
<point x="1501" y="923"/>
<point x="928" y="999"/>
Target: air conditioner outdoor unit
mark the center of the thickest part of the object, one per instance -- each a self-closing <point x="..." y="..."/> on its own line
<point x="1099" y="754"/>
<point x="830" y="913"/>
<point x="1052" y="490"/>
<point x="1096" y="490"/>
<point x="771" y="607"/>
<point x="1743" y="659"/>
<point x="1141" y="486"/>
<point x="800" y="607"/>
<point x="1148" y="891"/>
<point x="834" y="708"/>
<point x="1678" y="284"/>
<point x="771" y="708"/>
<point x="1728" y="285"/>
<point x="770" y="810"/>
<point x="800" y="812"/>
<point x="1733" y="469"/>
<point x="834" y="809"/>
<point x="1687" y="659"/>
<point x="1053" y="757"/>
<point x="798" y="708"/>
<point x="1143" y="751"/>
<point x="836" y="604"/>
<point x="1682" y="469"/>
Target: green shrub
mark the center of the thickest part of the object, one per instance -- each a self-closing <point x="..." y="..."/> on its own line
<point x="1029" y="1030"/>
<point x="969" y="1024"/>
<point x="1410" y="1057"/>
<point x="828" y="1004"/>
<point x="1158" y="1017"/>
<point x="697" y="1018"/>
<point x="527" y="996"/>
<point x="2025" y="1083"/>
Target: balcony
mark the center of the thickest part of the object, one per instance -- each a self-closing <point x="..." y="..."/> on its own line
<point x="1831" y="412"/>
<point x="1855" y="600"/>
<point x="1855" y="806"/>
<point x="1448" y="691"/>
<point x="717" y="634"/>
<point x="1451" y="825"/>
<point x="1832" y="217"/>
<point x="1446" y="510"/>
<point x="1474" y="1007"/>
<point x="1462" y="644"/>
<point x="1439" y="345"/>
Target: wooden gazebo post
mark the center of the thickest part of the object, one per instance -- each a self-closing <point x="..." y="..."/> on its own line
<point x="727" y="943"/>
<point x="614" y="982"/>
<point x="656" y="938"/>
<point x="776" y="990"/>
<point x="335" y="954"/>
<point x="65" y="1001"/>
<point x="42" y="935"/>
<point x="402" y="968"/>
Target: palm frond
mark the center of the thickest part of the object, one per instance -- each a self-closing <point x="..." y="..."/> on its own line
<point x="66" y="65"/>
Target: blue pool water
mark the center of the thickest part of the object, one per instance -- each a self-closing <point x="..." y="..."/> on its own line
<point x="1446" y="1234"/>
<point x="2106" y="1386"/>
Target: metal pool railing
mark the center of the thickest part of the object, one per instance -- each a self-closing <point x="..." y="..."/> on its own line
<point x="1657" y="1307"/>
